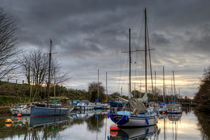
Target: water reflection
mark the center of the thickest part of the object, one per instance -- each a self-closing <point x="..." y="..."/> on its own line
<point x="187" y="109"/>
<point x="174" y="117"/>
<point x="43" y="121"/>
<point x="95" y="125"/>
<point x="204" y="124"/>
<point x="142" y="133"/>
<point x="96" y="122"/>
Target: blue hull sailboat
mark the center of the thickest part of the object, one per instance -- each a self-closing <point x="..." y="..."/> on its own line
<point x="37" y="111"/>
<point x="48" y="109"/>
<point x="137" y="115"/>
<point x="134" y="113"/>
<point x="132" y="120"/>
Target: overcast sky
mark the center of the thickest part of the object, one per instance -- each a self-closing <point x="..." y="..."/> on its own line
<point x="91" y="34"/>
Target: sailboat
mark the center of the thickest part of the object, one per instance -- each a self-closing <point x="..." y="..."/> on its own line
<point x="40" y="109"/>
<point x="174" y="107"/>
<point x="135" y="114"/>
<point x="99" y="105"/>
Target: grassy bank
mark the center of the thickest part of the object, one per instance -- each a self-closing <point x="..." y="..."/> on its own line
<point x="9" y="100"/>
<point x="5" y="110"/>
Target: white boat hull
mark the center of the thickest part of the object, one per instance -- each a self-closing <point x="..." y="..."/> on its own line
<point x="174" y="109"/>
<point x="133" y="121"/>
<point x="22" y="109"/>
<point x="82" y="107"/>
<point x="138" y="122"/>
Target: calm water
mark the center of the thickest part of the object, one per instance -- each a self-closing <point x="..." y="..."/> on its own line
<point x="95" y="125"/>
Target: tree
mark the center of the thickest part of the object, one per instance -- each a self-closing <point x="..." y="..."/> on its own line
<point x="203" y="95"/>
<point x="58" y="76"/>
<point x="114" y="96"/>
<point x="95" y="125"/>
<point x="137" y="94"/>
<point x="35" y="69"/>
<point x="35" y="66"/>
<point x="93" y="91"/>
<point x="7" y="44"/>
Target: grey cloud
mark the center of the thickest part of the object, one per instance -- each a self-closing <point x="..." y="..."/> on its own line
<point x="88" y="34"/>
<point x="160" y="39"/>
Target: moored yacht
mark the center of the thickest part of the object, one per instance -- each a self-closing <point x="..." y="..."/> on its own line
<point x="134" y="113"/>
<point x="44" y="109"/>
<point x="47" y="109"/>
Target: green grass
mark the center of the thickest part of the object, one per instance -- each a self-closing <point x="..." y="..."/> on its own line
<point x="8" y="100"/>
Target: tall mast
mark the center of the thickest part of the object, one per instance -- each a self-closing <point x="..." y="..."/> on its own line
<point x="54" y="82"/>
<point x="98" y="85"/>
<point x="130" y="61"/>
<point x="49" y="73"/>
<point x="145" y="16"/>
<point x="155" y="83"/>
<point x="150" y="61"/>
<point x="174" y="84"/>
<point x="163" y="84"/>
<point x="172" y="92"/>
<point x="164" y="133"/>
<point x="106" y="84"/>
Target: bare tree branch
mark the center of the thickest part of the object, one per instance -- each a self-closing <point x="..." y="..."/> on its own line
<point x="7" y="44"/>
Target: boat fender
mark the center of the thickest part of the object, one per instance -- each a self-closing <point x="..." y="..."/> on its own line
<point x="111" y="116"/>
<point x="8" y="124"/>
<point x="18" y="118"/>
<point x="8" y="121"/>
<point x="147" y="121"/>
<point x="114" y="128"/>
<point x="108" y="115"/>
<point x="19" y="115"/>
<point x="122" y="117"/>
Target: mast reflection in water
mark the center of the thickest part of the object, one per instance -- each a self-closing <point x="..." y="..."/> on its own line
<point x="95" y="125"/>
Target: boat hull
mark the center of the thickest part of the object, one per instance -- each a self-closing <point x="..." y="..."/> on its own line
<point x="116" y="104"/>
<point x="133" y="121"/>
<point x="174" y="109"/>
<point x="46" y="111"/>
<point x="80" y="107"/>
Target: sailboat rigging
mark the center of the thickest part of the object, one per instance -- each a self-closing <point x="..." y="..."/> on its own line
<point x="174" y="107"/>
<point x="135" y="114"/>
<point x="41" y="109"/>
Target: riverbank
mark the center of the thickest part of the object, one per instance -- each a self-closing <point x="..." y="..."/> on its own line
<point x="5" y="110"/>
